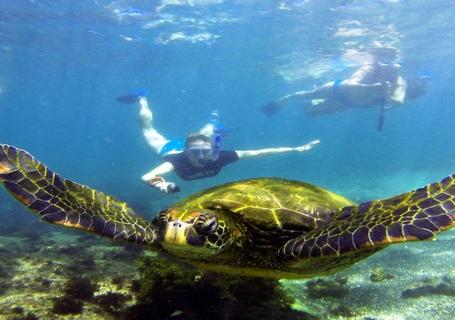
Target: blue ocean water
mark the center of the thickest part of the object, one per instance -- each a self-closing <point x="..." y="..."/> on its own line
<point x="63" y="63"/>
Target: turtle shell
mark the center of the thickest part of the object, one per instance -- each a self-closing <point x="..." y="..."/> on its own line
<point x="270" y="203"/>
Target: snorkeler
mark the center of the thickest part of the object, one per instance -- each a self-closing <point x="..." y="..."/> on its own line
<point x="198" y="156"/>
<point x="376" y="83"/>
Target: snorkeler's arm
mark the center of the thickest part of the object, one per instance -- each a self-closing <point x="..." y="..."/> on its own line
<point x="269" y="151"/>
<point x="154" y="178"/>
<point x="299" y="96"/>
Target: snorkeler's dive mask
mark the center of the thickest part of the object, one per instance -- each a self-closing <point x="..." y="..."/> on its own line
<point x="203" y="153"/>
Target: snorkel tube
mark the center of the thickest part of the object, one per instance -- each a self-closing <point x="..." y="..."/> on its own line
<point x="217" y="141"/>
<point x="216" y="132"/>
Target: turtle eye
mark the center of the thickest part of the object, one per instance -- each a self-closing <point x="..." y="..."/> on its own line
<point x="204" y="225"/>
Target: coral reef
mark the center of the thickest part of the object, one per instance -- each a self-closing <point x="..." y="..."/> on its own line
<point x="169" y="289"/>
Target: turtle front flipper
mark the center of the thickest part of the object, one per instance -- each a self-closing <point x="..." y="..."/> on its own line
<point x="415" y="215"/>
<point x="60" y="201"/>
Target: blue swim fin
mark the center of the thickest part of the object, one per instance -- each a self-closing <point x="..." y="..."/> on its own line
<point x="133" y="97"/>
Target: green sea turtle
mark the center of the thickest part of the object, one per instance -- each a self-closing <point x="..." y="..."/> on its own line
<point x="264" y="227"/>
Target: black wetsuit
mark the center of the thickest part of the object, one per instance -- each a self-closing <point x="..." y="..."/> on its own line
<point x="185" y="170"/>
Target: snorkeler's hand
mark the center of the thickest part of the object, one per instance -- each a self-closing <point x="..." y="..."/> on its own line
<point x="308" y="146"/>
<point x="271" y="108"/>
<point x="164" y="186"/>
<point x="167" y="187"/>
<point x="170" y="187"/>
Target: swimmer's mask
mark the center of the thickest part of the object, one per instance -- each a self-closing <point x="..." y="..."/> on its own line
<point x="205" y="152"/>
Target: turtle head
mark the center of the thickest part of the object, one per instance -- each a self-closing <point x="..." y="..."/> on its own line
<point x="195" y="233"/>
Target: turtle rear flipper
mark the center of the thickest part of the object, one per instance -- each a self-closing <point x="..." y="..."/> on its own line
<point x="415" y="215"/>
<point x="60" y="201"/>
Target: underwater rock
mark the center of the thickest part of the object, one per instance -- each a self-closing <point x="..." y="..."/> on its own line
<point x="341" y="311"/>
<point x="321" y="288"/>
<point x="18" y="313"/>
<point x="59" y="271"/>
<point x="79" y="288"/>
<point x="28" y="316"/>
<point x="18" y="310"/>
<point x="426" y="290"/>
<point x="46" y="283"/>
<point x="125" y="253"/>
<point x="67" y="305"/>
<point x="136" y="285"/>
<point x="75" y="290"/>
<point x="3" y="272"/>
<point x="84" y="264"/>
<point x="112" y="302"/>
<point x="3" y="288"/>
<point x="70" y="250"/>
<point x="378" y="275"/>
<point x="88" y="262"/>
<point x="118" y="281"/>
<point x="4" y="252"/>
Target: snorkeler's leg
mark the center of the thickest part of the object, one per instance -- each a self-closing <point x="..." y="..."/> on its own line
<point x="324" y="108"/>
<point x="273" y="107"/>
<point x="208" y="130"/>
<point x="398" y="90"/>
<point x="212" y="126"/>
<point x="154" y="139"/>
<point x="301" y="96"/>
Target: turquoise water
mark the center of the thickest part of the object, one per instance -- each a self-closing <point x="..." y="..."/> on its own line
<point x="63" y="64"/>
